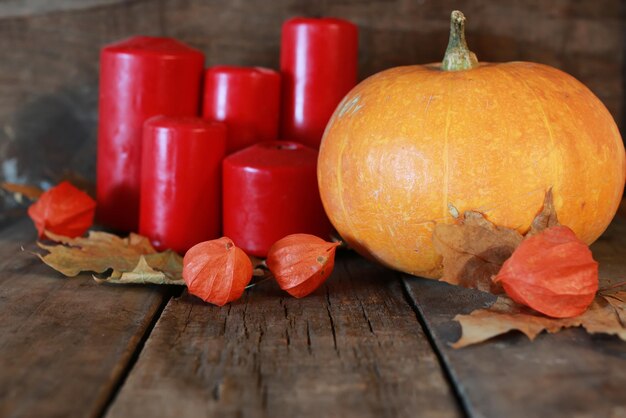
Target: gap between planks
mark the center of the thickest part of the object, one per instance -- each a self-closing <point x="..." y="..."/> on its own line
<point x="448" y="371"/>
<point x="570" y="373"/>
<point x="133" y="357"/>
<point x="65" y="343"/>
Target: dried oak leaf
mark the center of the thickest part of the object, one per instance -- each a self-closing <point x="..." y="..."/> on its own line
<point x="21" y="191"/>
<point x="132" y="259"/>
<point x="473" y="250"/>
<point x="504" y="315"/>
<point x="545" y="219"/>
<point x="618" y="301"/>
<point x="259" y="267"/>
<point x="159" y="268"/>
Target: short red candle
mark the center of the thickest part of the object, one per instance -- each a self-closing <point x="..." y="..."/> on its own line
<point x="139" y="78"/>
<point x="318" y="61"/>
<point x="181" y="181"/>
<point x="247" y="99"/>
<point x="270" y="191"/>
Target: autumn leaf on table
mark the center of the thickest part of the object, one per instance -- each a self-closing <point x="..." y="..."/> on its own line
<point x="554" y="273"/>
<point x="545" y="219"/>
<point x="474" y="249"/>
<point x="259" y="267"/>
<point x="159" y="268"/>
<point x="618" y="301"/>
<point x="22" y="191"/>
<point x="132" y="259"/>
<point x="602" y="317"/>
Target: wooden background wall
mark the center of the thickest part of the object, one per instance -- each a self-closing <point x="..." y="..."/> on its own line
<point x="49" y="54"/>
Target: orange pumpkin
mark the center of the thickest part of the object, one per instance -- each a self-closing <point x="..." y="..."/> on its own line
<point x="411" y="146"/>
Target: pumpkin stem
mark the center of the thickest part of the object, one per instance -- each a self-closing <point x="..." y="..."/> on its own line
<point x="458" y="57"/>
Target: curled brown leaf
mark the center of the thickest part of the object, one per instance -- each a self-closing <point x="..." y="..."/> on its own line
<point x="504" y="315"/>
<point x="473" y="250"/>
<point x="546" y="218"/>
<point x="131" y="259"/>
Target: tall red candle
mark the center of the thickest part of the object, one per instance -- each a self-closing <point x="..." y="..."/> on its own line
<point x="270" y="191"/>
<point x="181" y="181"/>
<point x="247" y="99"/>
<point x="139" y="78"/>
<point x="318" y="61"/>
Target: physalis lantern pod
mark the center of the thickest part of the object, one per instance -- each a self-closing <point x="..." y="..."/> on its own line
<point x="63" y="210"/>
<point x="552" y="272"/>
<point x="217" y="271"/>
<point x="301" y="263"/>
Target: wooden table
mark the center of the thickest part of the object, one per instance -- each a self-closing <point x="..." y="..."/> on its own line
<point x="370" y="343"/>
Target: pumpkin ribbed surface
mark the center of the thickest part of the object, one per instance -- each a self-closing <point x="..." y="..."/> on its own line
<point x="409" y="144"/>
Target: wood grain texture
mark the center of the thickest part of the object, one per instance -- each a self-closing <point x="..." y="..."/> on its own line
<point x="566" y="374"/>
<point x="64" y="343"/>
<point x="49" y="66"/>
<point x="352" y="349"/>
<point x="26" y="8"/>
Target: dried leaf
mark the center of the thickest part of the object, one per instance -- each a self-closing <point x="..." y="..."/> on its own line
<point x="505" y="315"/>
<point x="217" y="271"/>
<point x="301" y="263"/>
<point x="546" y="218"/>
<point x="21" y="191"/>
<point x="473" y="250"/>
<point x="63" y="210"/>
<point x="608" y="285"/>
<point x="101" y="251"/>
<point x="259" y="268"/>
<point x="162" y="268"/>
<point x="618" y="301"/>
<point x="552" y="272"/>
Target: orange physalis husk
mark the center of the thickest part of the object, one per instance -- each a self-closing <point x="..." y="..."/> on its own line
<point x="301" y="263"/>
<point x="552" y="272"/>
<point x="217" y="271"/>
<point x="63" y="210"/>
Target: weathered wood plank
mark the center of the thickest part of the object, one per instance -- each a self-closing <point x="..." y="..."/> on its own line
<point x="64" y="343"/>
<point x="566" y="374"/>
<point x="25" y="8"/>
<point x="354" y="348"/>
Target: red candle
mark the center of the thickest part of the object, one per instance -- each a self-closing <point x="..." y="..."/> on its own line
<point x="270" y="191"/>
<point x="181" y="181"/>
<point x="139" y="78"/>
<point x="247" y="99"/>
<point x="318" y="61"/>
